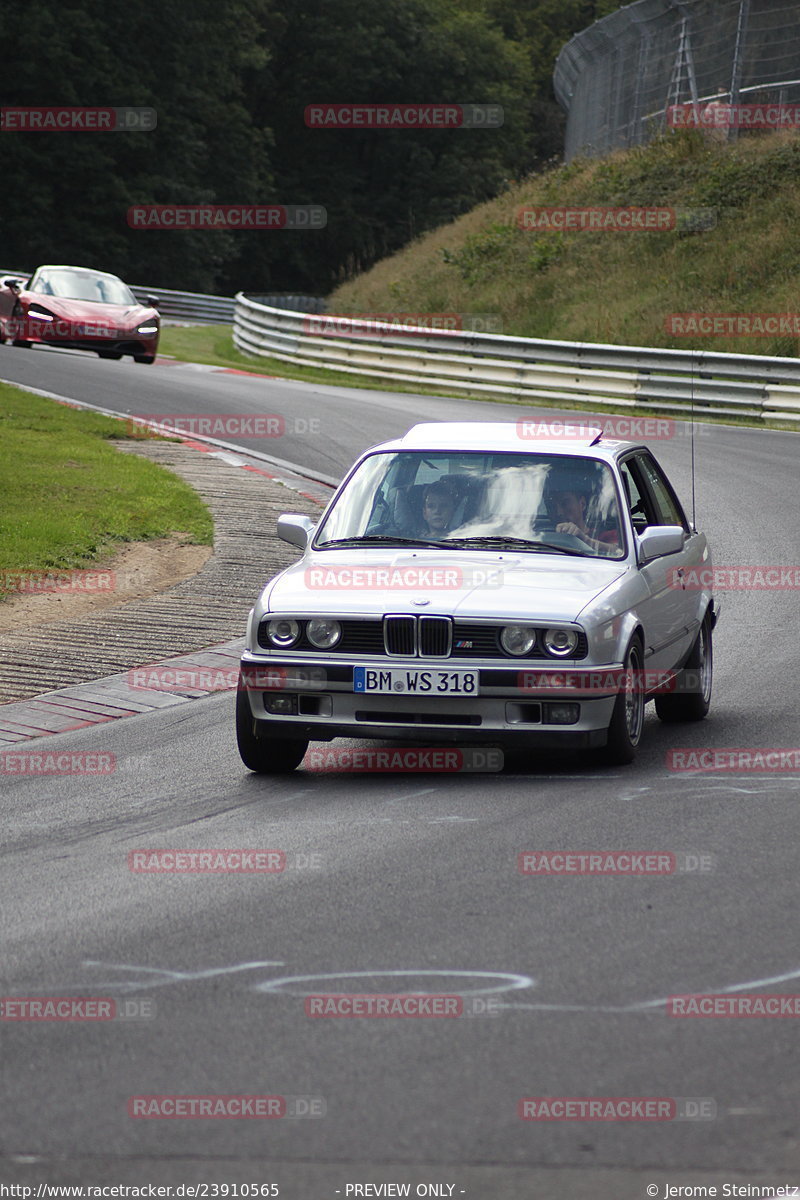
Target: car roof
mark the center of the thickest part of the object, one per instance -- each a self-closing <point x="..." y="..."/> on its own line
<point x="584" y="441"/>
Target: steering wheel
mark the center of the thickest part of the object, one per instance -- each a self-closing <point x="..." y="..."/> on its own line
<point x="567" y="540"/>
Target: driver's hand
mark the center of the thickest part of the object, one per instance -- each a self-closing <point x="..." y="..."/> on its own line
<point x="571" y="528"/>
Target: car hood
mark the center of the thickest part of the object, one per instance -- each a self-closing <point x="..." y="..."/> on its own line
<point x="92" y="312"/>
<point x="463" y="584"/>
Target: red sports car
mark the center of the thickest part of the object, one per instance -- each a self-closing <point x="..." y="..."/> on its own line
<point x="79" y="309"/>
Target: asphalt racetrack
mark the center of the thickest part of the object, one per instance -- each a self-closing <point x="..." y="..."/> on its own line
<point x="404" y="883"/>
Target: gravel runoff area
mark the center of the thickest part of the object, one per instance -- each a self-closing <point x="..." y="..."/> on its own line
<point x="209" y="608"/>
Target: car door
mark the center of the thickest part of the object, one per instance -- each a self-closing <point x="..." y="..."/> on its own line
<point x="695" y="549"/>
<point x="666" y="612"/>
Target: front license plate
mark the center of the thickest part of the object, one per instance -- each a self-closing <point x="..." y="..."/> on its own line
<point x="416" y="682"/>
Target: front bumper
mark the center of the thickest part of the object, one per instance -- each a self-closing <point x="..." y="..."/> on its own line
<point x="508" y="708"/>
<point x="121" y="345"/>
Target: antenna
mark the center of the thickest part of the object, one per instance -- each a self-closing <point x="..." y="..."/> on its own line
<point x="691" y="393"/>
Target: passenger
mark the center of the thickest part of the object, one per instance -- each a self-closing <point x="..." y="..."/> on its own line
<point x="438" y="506"/>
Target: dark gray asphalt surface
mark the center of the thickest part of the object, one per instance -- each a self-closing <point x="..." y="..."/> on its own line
<point x="414" y="874"/>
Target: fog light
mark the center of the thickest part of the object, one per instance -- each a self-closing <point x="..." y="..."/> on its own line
<point x="561" y="714"/>
<point x="281" y="704"/>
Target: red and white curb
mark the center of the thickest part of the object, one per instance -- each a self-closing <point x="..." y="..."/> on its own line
<point x="187" y="677"/>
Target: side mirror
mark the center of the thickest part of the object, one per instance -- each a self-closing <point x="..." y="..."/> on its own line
<point x="152" y="301"/>
<point x="659" y="540"/>
<point x="296" y="529"/>
<point x="14" y="286"/>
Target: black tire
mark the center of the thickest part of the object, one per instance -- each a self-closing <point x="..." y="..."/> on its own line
<point x="22" y="344"/>
<point x="144" y="358"/>
<point x="692" y="698"/>
<point x="115" y="354"/>
<point x="264" y="753"/>
<point x="627" y="719"/>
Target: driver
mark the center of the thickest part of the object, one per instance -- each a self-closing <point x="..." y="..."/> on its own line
<point x="569" y="505"/>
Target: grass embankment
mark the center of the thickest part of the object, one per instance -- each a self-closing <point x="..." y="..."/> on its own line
<point x="70" y="498"/>
<point x="214" y="344"/>
<point x="612" y="286"/>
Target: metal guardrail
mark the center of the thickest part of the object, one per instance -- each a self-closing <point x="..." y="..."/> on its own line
<point x="218" y="310"/>
<point x="188" y="306"/>
<point x="580" y="373"/>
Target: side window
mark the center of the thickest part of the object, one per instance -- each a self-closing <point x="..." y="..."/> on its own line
<point x="639" y="503"/>
<point x="668" y="511"/>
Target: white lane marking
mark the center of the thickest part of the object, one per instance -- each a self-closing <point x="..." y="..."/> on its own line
<point x="410" y="795"/>
<point x="645" y="1005"/>
<point x="167" y="976"/>
<point x="510" y="982"/>
<point x="441" y="820"/>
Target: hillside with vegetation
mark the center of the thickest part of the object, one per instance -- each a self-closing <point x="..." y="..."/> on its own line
<point x="611" y="286"/>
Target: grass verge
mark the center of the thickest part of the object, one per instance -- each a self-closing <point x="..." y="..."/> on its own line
<point x="70" y="497"/>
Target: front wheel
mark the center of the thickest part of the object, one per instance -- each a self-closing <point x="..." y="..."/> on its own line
<point x="23" y="345"/>
<point x="264" y="754"/>
<point x="115" y="354"/>
<point x="692" y="698"/>
<point x="627" y="719"/>
<point x="144" y="358"/>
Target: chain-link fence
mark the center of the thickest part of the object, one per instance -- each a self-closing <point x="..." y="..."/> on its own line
<point x="622" y="80"/>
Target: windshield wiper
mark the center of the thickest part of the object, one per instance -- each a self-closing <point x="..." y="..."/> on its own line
<point x="499" y="540"/>
<point x="380" y="539"/>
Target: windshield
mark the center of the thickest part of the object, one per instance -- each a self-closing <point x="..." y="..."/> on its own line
<point x="82" y="285"/>
<point x="538" y="501"/>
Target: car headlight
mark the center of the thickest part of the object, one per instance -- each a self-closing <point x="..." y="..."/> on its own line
<point x="283" y="632"/>
<point x="40" y="314"/>
<point x="147" y="330"/>
<point x="560" y="642"/>
<point x="322" y="633"/>
<point x="518" y="639"/>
